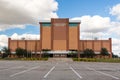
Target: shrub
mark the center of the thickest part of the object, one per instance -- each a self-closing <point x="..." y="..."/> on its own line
<point x="89" y="53"/>
<point x="104" y="52"/>
<point x="97" y="60"/>
<point x="6" y="51"/>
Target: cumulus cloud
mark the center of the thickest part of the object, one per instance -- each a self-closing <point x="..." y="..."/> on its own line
<point x="115" y="29"/>
<point x="94" y="23"/>
<point x="116" y="46"/>
<point x="6" y="26"/>
<point x="22" y="12"/>
<point x="115" y="10"/>
<point x="25" y="36"/>
<point x="3" y="40"/>
<point x="92" y="36"/>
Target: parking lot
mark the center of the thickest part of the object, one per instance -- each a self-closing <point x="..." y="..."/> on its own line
<point x="47" y="70"/>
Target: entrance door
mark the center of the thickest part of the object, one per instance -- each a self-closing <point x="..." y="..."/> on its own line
<point x="60" y="55"/>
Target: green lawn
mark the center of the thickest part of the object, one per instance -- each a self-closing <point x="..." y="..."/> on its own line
<point x="116" y="60"/>
<point x="26" y="59"/>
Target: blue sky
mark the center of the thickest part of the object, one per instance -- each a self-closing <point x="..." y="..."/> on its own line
<point x="20" y="18"/>
<point x="71" y="9"/>
<point x="29" y="29"/>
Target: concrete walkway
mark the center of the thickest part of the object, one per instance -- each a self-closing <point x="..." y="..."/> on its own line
<point x="60" y="59"/>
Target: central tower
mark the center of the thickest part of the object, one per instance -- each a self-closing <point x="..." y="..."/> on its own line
<point x="60" y="34"/>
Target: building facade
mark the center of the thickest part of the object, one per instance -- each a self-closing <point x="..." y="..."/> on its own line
<point x="60" y="35"/>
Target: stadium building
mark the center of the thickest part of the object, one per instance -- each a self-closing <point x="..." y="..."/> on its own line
<point x="60" y="36"/>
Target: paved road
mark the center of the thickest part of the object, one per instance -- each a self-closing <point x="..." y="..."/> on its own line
<point x="45" y="70"/>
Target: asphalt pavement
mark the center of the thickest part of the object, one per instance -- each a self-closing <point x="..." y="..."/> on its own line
<point x="58" y="70"/>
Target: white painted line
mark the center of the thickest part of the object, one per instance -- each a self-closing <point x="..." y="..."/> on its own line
<point x="24" y="71"/>
<point x="75" y="72"/>
<point x="49" y="71"/>
<point x="103" y="73"/>
<point x="12" y="68"/>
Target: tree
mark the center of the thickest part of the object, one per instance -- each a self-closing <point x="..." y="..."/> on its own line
<point x="89" y="53"/>
<point x="25" y="53"/>
<point x="19" y="52"/>
<point x="29" y="54"/>
<point x="114" y="56"/>
<point x="6" y="51"/>
<point x="104" y="52"/>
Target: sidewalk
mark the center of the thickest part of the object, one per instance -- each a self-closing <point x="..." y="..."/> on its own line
<point x="60" y="59"/>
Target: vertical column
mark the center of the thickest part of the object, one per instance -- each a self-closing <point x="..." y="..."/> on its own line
<point x="26" y="44"/>
<point x="78" y="40"/>
<point x="40" y="39"/>
<point x="67" y="34"/>
<point x="35" y="48"/>
<point x="82" y="41"/>
<point x="52" y="32"/>
<point x="101" y="44"/>
<point x="41" y="36"/>
<point x="9" y="39"/>
<point x="110" y="41"/>
<point x="92" y="45"/>
<point x="17" y="43"/>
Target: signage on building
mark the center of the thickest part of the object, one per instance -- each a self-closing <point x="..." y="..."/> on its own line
<point x="59" y="24"/>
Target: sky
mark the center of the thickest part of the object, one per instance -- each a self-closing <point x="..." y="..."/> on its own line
<point x="99" y="18"/>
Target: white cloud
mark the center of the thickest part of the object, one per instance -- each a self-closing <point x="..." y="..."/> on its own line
<point x="94" y="23"/>
<point x="116" y="41"/>
<point x="3" y="40"/>
<point x="26" y="36"/>
<point x="115" y="10"/>
<point x="116" y="46"/>
<point x="92" y="36"/>
<point x="22" y="12"/>
<point x="115" y="29"/>
<point x="6" y="26"/>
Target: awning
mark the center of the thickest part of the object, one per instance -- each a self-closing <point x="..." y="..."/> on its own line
<point x="57" y="52"/>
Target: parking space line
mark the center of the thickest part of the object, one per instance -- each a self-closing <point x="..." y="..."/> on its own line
<point x="75" y="72"/>
<point x="12" y="68"/>
<point x="24" y="71"/>
<point x="103" y="73"/>
<point x="49" y="71"/>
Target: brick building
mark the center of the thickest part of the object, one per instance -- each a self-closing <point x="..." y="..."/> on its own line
<point x="60" y="36"/>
